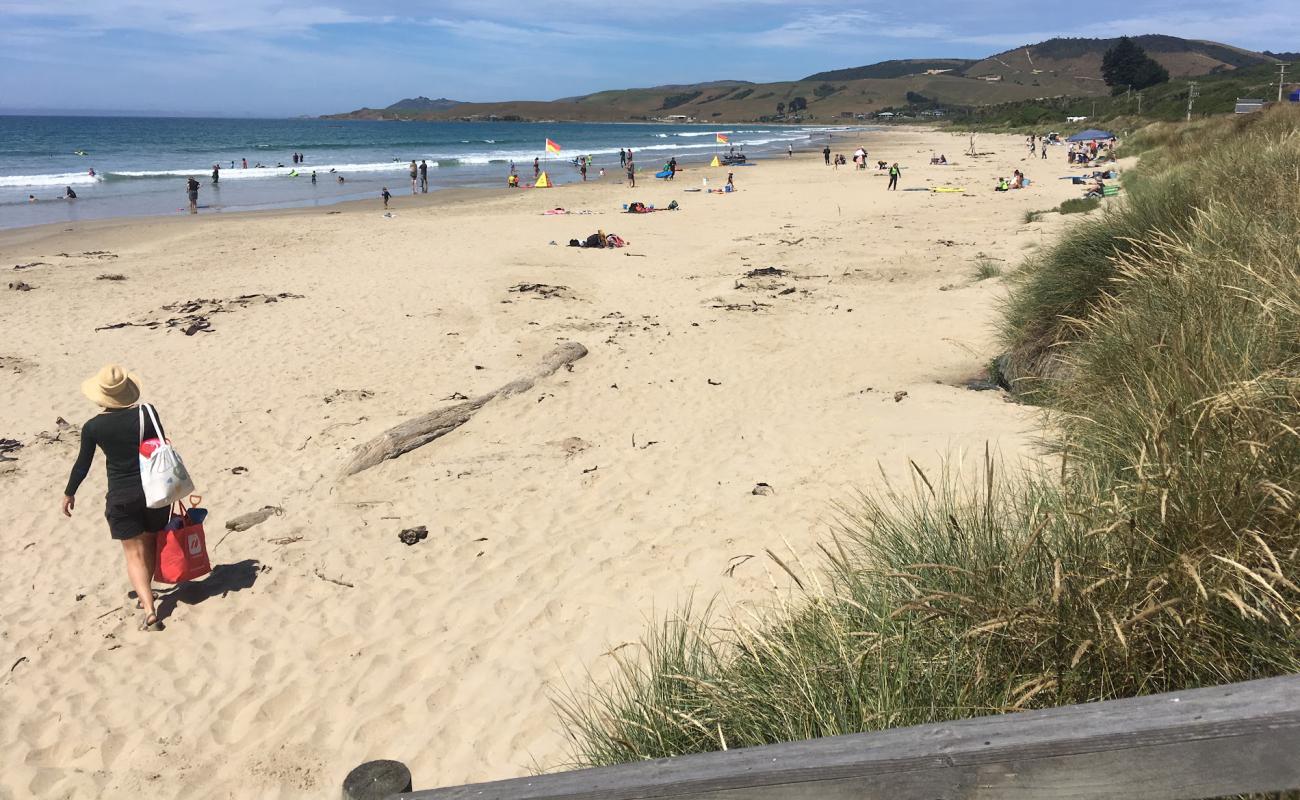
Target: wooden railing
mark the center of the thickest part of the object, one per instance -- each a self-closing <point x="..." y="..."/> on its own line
<point x="1223" y="740"/>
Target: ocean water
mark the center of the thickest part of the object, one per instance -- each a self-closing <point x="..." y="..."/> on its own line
<point x="141" y="163"/>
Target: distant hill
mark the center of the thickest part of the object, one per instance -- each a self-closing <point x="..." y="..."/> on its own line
<point x="895" y="68"/>
<point x="422" y="104"/>
<point x="1067" y="66"/>
<point x="1056" y="68"/>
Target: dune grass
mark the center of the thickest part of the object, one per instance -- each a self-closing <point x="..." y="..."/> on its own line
<point x="1078" y="205"/>
<point x="1162" y="551"/>
<point x="985" y="268"/>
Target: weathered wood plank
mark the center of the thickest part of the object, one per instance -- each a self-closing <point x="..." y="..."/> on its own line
<point x="1199" y="743"/>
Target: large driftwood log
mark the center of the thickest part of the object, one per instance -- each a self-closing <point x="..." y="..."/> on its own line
<point x="420" y="431"/>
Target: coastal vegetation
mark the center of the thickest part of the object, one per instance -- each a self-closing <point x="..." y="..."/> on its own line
<point x="1155" y="547"/>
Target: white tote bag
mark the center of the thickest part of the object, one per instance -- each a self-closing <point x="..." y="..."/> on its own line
<point x="162" y="472"/>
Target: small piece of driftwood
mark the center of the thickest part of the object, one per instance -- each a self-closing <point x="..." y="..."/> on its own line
<point x="245" y="521"/>
<point x="413" y="433"/>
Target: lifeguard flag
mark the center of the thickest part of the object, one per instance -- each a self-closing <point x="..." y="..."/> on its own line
<point x="543" y="182"/>
<point x="723" y="138"/>
<point x="552" y="147"/>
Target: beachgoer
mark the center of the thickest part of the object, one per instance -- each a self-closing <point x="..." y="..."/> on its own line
<point x="790" y="150"/>
<point x="91" y="172"/>
<point x="31" y="198"/>
<point x="631" y="175"/>
<point x="216" y="174"/>
<point x="68" y="194"/>
<point x="582" y="168"/>
<point x="894" y="172"/>
<point x="672" y="168"/>
<point x="537" y="168"/>
<point x="826" y="154"/>
<point x="386" y="196"/>
<point x="415" y="175"/>
<point x="629" y="156"/>
<point x="244" y="161"/>
<point x="340" y="179"/>
<point x="513" y="181"/>
<point x="118" y="431"/>
<point x="294" y="157"/>
<point x="622" y="157"/>
<point x="731" y="182"/>
<point x="192" y="190"/>
<point x="424" y="175"/>
<point x="313" y="177"/>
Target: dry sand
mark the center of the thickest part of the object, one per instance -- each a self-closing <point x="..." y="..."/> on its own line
<point x="559" y="520"/>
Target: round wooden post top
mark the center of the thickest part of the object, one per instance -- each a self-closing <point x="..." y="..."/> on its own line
<point x="376" y="780"/>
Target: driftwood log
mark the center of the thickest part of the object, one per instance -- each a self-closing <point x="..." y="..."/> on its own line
<point x="418" y="432"/>
<point x="245" y="521"/>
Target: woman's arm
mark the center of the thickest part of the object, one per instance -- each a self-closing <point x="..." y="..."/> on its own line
<point x="81" y="468"/>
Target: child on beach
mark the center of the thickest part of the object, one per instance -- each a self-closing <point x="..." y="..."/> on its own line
<point x="386" y="196"/>
<point x="118" y="430"/>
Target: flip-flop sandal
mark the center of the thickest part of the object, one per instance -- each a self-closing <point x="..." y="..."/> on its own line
<point x="140" y="606"/>
<point x="156" y="625"/>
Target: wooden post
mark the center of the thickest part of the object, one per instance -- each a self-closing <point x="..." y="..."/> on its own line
<point x="377" y="780"/>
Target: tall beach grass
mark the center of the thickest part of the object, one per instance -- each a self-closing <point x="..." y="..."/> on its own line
<point x="1160" y="552"/>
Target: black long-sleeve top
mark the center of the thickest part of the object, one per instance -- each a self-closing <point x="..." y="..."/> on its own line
<point x="117" y="433"/>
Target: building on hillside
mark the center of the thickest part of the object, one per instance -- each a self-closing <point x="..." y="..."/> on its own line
<point x="1246" y="105"/>
<point x="1075" y="119"/>
<point x="937" y="71"/>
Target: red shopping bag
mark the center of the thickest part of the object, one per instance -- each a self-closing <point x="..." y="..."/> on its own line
<point x="182" y="549"/>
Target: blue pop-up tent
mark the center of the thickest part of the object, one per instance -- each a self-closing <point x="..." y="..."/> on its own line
<point x="1090" y="135"/>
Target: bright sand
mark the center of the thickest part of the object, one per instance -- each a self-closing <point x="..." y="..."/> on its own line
<point x="559" y="520"/>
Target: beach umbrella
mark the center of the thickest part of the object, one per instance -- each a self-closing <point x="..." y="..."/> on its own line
<point x="1092" y="134"/>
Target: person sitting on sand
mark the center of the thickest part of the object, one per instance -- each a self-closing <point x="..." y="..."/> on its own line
<point x="1002" y="186"/>
<point x="118" y="430"/>
<point x="1017" y="180"/>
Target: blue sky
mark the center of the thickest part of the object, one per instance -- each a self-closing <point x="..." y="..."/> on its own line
<point x="289" y="57"/>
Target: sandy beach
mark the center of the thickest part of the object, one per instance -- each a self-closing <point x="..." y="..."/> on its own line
<point x="559" y="520"/>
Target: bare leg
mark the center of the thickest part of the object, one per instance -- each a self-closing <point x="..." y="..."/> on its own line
<point x="139" y="552"/>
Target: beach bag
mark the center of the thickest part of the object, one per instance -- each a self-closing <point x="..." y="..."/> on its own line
<point x="182" y="548"/>
<point x="162" y="473"/>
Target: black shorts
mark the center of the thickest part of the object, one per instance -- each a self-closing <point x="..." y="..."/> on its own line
<point x="128" y="516"/>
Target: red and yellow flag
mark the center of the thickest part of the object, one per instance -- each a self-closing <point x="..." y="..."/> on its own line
<point x="552" y="147"/>
<point x="723" y="138"/>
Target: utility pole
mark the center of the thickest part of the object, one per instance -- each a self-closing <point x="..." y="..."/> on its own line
<point x="1191" y="96"/>
<point x="1139" y="96"/>
<point x="1281" y="80"/>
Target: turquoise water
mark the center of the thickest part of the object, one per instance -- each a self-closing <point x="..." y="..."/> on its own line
<point x="141" y="163"/>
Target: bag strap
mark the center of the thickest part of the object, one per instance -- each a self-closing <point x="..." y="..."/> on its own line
<point x="157" y="429"/>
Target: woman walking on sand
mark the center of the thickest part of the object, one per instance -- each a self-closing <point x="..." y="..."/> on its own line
<point x="118" y="430"/>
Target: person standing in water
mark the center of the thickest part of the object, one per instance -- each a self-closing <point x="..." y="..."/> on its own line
<point x="424" y="176"/>
<point x="537" y="168"/>
<point x="894" y="172"/>
<point x="313" y="177"/>
<point x="216" y="174"/>
<point x="415" y="175"/>
<point x="118" y="431"/>
<point x="192" y="191"/>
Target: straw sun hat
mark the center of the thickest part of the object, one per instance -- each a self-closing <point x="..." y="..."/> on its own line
<point x="112" y="387"/>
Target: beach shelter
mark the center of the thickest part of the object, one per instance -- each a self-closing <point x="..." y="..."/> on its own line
<point x="543" y="182"/>
<point x="1090" y="135"/>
